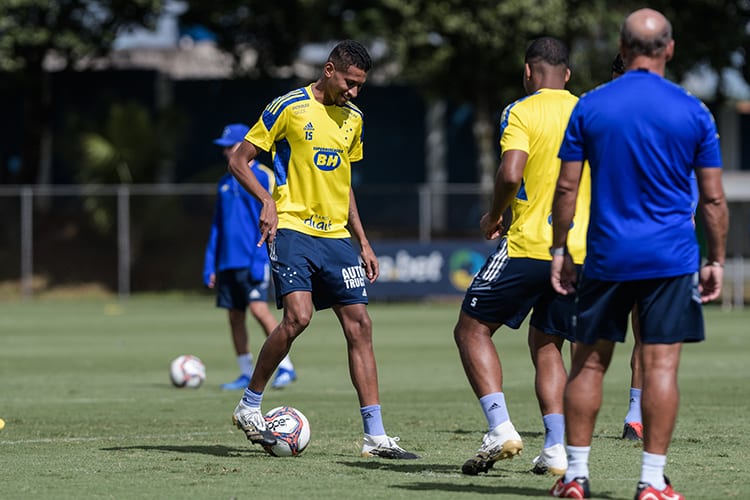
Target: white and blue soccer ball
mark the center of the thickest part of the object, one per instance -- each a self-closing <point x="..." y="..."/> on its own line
<point x="291" y="429"/>
<point x="187" y="371"/>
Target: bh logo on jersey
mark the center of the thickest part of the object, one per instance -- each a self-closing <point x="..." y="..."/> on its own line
<point x="354" y="277"/>
<point x="327" y="159"/>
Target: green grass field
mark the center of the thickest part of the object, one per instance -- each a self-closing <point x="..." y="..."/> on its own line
<point x="90" y="412"/>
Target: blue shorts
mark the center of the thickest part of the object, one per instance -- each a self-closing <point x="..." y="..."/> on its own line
<point x="235" y="289"/>
<point x="506" y="289"/>
<point x="329" y="268"/>
<point x="669" y="310"/>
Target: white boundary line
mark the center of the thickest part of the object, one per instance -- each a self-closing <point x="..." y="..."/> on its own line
<point x="106" y="438"/>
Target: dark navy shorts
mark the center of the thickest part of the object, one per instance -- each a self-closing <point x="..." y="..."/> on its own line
<point x="235" y="289"/>
<point x="669" y="310"/>
<point x="329" y="268"/>
<point x="506" y="289"/>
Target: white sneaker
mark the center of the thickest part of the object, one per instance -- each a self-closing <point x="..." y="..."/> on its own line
<point x="500" y="443"/>
<point x="253" y="424"/>
<point x="553" y="460"/>
<point x="385" y="447"/>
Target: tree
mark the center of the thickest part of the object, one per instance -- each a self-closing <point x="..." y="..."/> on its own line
<point x="474" y="53"/>
<point x="66" y="33"/>
<point x="710" y="32"/>
<point x="469" y="52"/>
<point x="274" y="31"/>
<point x="466" y="55"/>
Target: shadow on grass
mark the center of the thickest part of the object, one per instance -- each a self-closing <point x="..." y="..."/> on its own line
<point x="419" y="467"/>
<point x="474" y="488"/>
<point x="477" y="432"/>
<point x="407" y="466"/>
<point x="498" y="489"/>
<point x="215" y="450"/>
<point x="495" y="488"/>
<point x="531" y="434"/>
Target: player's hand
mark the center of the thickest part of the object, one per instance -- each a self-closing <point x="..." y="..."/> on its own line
<point x="268" y="222"/>
<point x="491" y="229"/>
<point x="369" y="263"/>
<point x="711" y="278"/>
<point x="211" y="280"/>
<point x="563" y="275"/>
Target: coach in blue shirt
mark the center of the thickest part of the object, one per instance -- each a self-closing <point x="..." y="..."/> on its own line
<point x="236" y="266"/>
<point x="643" y="137"/>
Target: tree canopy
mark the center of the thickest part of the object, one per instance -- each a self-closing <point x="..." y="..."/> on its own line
<point x="31" y="30"/>
<point x="34" y="33"/>
<point x="465" y="52"/>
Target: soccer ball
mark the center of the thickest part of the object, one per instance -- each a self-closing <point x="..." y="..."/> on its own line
<point x="291" y="430"/>
<point x="187" y="371"/>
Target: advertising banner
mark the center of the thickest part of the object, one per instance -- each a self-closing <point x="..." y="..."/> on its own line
<point x="412" y="270"/>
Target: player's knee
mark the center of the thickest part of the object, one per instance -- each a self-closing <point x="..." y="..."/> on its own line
<point x="365" y="323"/>
<point x="459" y="335"/>
<point x="358" y="329"/>
<point x="467" y="329"/>
<point x="296" y="322"/>
<point x="258" y="308"/>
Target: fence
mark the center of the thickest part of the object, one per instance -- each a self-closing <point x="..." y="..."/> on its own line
<point x="151" y="237"/>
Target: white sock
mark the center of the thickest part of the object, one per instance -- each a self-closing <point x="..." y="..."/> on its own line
<point x="652" y="470"/>
<point x="578" y="462"/>
<point x="286" y="363"/>
<point x="245" y="362"/>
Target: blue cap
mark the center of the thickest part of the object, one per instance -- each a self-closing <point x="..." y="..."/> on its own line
<point x="232" y="134"/>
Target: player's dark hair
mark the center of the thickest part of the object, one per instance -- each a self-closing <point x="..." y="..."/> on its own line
<point x="547" y="49"/>
<point x="348" y="53"/>
<point x="618" y="65"/>
<point x="649" y="47"/>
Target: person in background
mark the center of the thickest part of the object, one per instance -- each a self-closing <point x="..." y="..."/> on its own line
<point x="236" y="267"/>
<point x="643" y="137"/>
<point x="633" y="426"/>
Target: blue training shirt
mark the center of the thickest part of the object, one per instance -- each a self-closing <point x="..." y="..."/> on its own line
<point x="643" y="137"/>
<point x="234" y="236"/>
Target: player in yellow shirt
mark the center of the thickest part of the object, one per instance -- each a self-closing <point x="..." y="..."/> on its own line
<point x="314" y="134"/>
<point x="515" y="278"/>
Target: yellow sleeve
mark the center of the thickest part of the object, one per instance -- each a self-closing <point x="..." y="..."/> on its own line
<point x="268" y="129"/>
<point x="356" y="151"/>
<point x="514" y="133"/>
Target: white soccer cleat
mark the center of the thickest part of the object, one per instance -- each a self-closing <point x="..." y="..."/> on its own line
<point x="385" y="447"/>
<point x="500" y="443"/>
<point x="253" y="424"/>
<point x="553" y="460"/>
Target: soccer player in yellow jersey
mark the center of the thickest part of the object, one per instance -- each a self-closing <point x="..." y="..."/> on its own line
<point x="515" y="278"/>
<point x="314" y="134"/>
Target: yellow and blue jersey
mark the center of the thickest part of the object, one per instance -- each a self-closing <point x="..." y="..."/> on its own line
<point x="535" y="125"/>
<point x="313" y="147"/>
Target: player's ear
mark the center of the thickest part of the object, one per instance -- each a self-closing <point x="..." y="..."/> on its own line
<point x="623" y="54"/>
<point x="567" y="74"/>
<point x="669" y="50"/>
<point x="527" y="71"/>
<point x="329" y="69"/>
